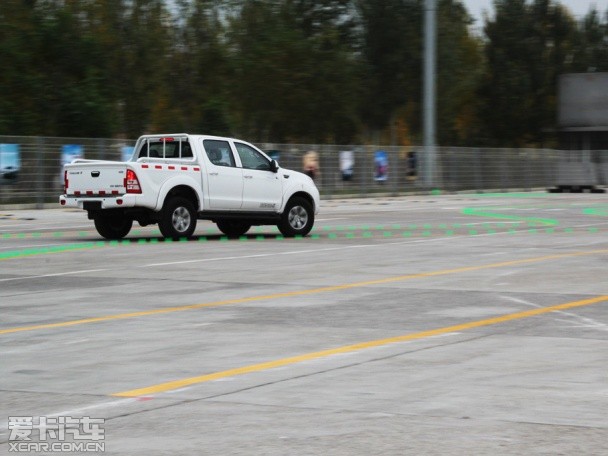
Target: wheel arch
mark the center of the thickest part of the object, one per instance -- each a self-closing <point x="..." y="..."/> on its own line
<point x="184" y="191"/>
<point x="301" y="194"/>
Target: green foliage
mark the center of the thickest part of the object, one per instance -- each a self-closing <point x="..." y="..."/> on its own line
<point x="459" y="73"/>
<point x="591" y="45"/>
<point x="19" y="85"/>
<point x="392" y="51"/>
<point x="392" y="47"/>
<point x="287" y="70"/>
<point x="293" y="79"/>
<point x="528" y="47"/>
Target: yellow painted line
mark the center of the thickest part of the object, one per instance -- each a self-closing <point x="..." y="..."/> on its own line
<point x="177" y="384"/>
<point x="289" y="294"/>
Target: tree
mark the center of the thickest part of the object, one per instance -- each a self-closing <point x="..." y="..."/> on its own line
<point x="74" y="98"/>
<point x="145" y="57"/>
<point x="459" y="71"/>
<point x="287" y="70"/>
<point x="393" y="48"/>
<point x="194" y="90"/>
<point x="316" y="18"/>
<point x="290" y="83"/>
<point x="20" y="82"/>
<point x="591" y="46"/>
<point x="527" y="49"/>
<point x="392" y="53"/>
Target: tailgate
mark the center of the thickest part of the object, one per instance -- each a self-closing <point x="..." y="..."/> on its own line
<point x="95" y="178"/>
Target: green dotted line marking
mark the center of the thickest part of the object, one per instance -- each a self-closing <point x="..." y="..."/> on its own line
<point x="351" y="234"/>
<point x="597" y="211"/>
<point x="51" y="249"/>
<point x="270" y="232"/>
<point x="489" y="212"/>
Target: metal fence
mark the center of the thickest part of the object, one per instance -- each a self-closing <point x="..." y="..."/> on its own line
<point x="31" y="167"/>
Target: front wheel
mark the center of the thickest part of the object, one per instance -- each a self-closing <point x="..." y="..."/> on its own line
<point x="233" y="228"/>
<point x="113" y="226"/>
<point x="297" y="218"/>
<point x="178" y="218"/>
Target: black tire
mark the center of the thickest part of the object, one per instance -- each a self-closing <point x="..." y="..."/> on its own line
<point x="233" y="228"/>
<point x="178" y="218"/>
<point x="297" y="218"/>
<point x="113" y="226"/>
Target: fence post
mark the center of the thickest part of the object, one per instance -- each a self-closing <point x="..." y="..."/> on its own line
<point x="504" y="179"/>
<point x="529" y="170"/>
<point x="394" y="170"/>
<point x="101" y="147"/>
<point x="40" y="175"/>
<point x="477" y="162"/>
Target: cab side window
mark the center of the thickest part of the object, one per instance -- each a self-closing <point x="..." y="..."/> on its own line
<point x="152" y="150"/>
<point x="166" y="149"/>
<point x="187" y="151"/>
<point x="219" y="152"/>
<point x="143" y="152"/>
<point x="251" y="158"/>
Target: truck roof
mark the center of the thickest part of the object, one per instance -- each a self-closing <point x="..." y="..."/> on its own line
<point x="190" y="135"/>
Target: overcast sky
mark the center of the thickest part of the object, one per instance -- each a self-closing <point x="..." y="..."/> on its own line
<point x="577" y="7"/>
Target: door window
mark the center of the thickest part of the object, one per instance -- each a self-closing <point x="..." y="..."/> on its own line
<point x="219" y="152"/>
<point x="251" y="158"/>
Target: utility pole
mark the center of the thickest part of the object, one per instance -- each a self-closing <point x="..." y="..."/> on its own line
<point x="430" y="57"/>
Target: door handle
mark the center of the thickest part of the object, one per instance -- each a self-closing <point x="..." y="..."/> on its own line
<point x="248" y="177"/>
<point x="213" y="174"/>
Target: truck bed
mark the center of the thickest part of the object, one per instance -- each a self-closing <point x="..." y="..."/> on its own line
<point x="95" y="178"/>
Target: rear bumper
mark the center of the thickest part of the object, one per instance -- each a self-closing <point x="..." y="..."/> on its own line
<point x="98" y="202"/>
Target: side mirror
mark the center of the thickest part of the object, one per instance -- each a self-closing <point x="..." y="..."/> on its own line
<point x="274" y="166"/>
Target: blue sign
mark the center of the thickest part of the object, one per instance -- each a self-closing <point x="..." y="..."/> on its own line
<point x="127" y="152"/>
<point x="10" y="163"/>
<point x="380" y="166"/>
<point x="70" y="152"/>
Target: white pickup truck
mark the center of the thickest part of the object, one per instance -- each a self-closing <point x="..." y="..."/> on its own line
<point x="175" y="179"/>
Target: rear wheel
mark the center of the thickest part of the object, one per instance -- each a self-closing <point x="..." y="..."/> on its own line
<point x="233" y="228"/>
<point x="113" y="226"/>
<point x="178" y="218"/>
<point x="297" y="218"/>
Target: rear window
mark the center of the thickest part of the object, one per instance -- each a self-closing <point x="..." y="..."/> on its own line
<point x="165" y="149"/>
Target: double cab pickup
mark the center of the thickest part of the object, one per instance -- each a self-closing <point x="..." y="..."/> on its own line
<point x="176" y="179"/>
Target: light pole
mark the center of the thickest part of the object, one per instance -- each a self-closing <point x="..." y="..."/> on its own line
<point x="429" y="89"/>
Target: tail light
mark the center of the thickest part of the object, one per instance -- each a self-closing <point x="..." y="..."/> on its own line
<point x="65" y="182"/>
<point x="131" y="182"/>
